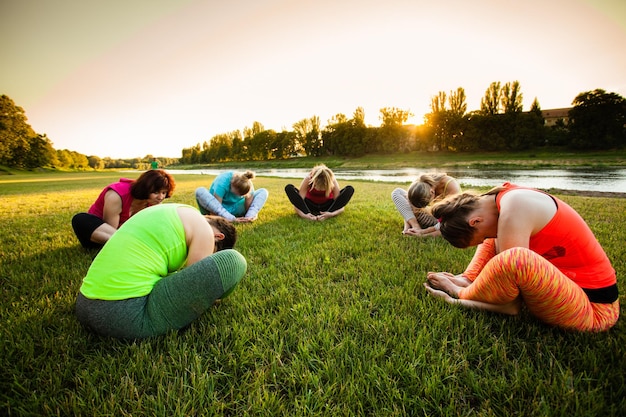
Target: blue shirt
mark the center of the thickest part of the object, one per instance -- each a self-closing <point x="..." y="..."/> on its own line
<point x="233" y="203"/>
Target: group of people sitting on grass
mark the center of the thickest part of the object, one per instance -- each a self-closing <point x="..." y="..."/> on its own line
<point x="171" y="262"/>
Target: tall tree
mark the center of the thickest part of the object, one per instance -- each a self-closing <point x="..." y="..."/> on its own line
<point x="359" y="116"/>
<point x="393" y="116"/>
<point x="536" y="108"/>
<point x="457" y="101"/>
<point x="15" y="134"/>
<point x="436" y="121"/>
<point x="308" y="135"/>
<point x="490" y="103"/>
<point x="511" y="98"/>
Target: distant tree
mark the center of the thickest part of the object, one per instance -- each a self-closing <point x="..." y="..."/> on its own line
<point x="536" y="108"/>
<point x="392" y="136"/>
<point x="358" y="117"/>
<point x="511" y="98"/>
<point x="65" y="158"/>
<point x="346" y="137"/>
<point x="458" y="102"/>
<point x="456" y="122"/>
<point x="437" y="121"/>
<point x="490" y="103"/>
<point x="249" y="132"/>
<point x="95" y="162"/>
<point x="393" y="116"/>
<point x="284" y="145"/>
<point x="16" y="136"/>
<point x="309" y="136"/>
<point x="597" y="120"/>
<point x="237" y="149"/>
<point x="40" y="153"/>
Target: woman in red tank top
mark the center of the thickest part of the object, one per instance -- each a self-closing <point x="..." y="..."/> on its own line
<point x="319" y="196"/>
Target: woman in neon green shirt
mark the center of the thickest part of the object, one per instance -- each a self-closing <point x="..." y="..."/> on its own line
<point x="165" y="267"/>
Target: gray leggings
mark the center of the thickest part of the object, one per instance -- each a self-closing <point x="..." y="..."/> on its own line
<point x="175" y="301"/>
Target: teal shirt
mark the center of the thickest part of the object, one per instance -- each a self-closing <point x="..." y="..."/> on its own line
<point x="148" y="247"/>
<point x="233" y="203"/>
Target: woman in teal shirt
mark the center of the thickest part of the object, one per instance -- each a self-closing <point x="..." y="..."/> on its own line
<point x="233" y="197"/>
<point x="159" y="272"/>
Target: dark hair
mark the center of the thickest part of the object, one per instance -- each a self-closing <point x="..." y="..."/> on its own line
<point x="152" y="181"/>
<point x="227" y="228"/>
<point x="452" y="213"/>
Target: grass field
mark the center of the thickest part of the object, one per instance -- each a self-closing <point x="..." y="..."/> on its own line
<point x="331" y="320"/>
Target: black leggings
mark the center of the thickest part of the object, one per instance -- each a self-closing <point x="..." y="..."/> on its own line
<point x="84" y="224"/>
<point x="307" y="206"/>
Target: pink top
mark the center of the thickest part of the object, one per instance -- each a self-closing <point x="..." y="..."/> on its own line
<point x="123" y="189"/>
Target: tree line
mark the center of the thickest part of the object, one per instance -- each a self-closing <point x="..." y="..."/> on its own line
<point x="21" y="147"/>
<point x="597" y="120"/>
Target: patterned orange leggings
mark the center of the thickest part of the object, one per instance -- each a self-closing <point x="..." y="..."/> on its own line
<point x="547" y="292"/>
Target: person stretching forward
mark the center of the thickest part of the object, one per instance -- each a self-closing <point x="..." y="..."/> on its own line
<point x="319" y="196"/>
<point x="533" y="250"/>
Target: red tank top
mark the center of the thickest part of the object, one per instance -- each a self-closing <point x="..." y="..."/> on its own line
<point x="317" y="196"/>
<point x="570" y="245"/>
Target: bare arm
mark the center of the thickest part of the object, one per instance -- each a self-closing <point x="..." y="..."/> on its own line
<point x="112" y="209"/>
<point x="453" y="187"/>
<point x="522" y="214"/>
<point x="304" y="186"/>
<point x="198" y="235"/>
<point x="336" y="189"/>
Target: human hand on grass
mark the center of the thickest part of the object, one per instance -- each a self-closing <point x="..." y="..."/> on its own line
<point x="245" y="219"/>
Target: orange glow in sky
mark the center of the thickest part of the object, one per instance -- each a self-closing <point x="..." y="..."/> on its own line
<point x="129" y="78"/>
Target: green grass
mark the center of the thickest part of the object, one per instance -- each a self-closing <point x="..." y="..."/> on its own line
<point x="331" y="319"/>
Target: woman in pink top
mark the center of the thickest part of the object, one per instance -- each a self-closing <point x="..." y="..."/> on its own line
<point x="117" y="203"/>
<point x="319" y="196"/>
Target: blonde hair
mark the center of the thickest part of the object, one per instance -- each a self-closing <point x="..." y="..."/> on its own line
<point x="322" y="179"/>
<point x="243" y="182"/>
<point x="419" y="192"/>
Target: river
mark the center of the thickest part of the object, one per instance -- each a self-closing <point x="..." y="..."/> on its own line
<point x="575" y="179"/>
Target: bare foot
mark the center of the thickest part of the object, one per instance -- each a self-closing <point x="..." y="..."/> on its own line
<point x="443" y="281"/>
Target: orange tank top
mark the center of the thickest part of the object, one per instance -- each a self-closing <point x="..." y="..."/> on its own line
<point x="570" y="245"/>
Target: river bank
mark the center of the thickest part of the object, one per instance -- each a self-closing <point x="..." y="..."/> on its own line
<point x="544" y="158"/>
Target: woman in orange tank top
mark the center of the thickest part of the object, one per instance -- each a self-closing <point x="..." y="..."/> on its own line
<point x="533" y="250"/>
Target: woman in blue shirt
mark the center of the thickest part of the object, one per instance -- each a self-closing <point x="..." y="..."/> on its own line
<point x="233" y="197"/>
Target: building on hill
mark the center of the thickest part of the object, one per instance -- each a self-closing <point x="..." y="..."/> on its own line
<point x="552" y="116"/>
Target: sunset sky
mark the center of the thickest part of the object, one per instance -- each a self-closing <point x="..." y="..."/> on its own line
<point x="129" y="78"/>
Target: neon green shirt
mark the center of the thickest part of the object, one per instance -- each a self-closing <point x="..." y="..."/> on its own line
<point x="148" y="247"/>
